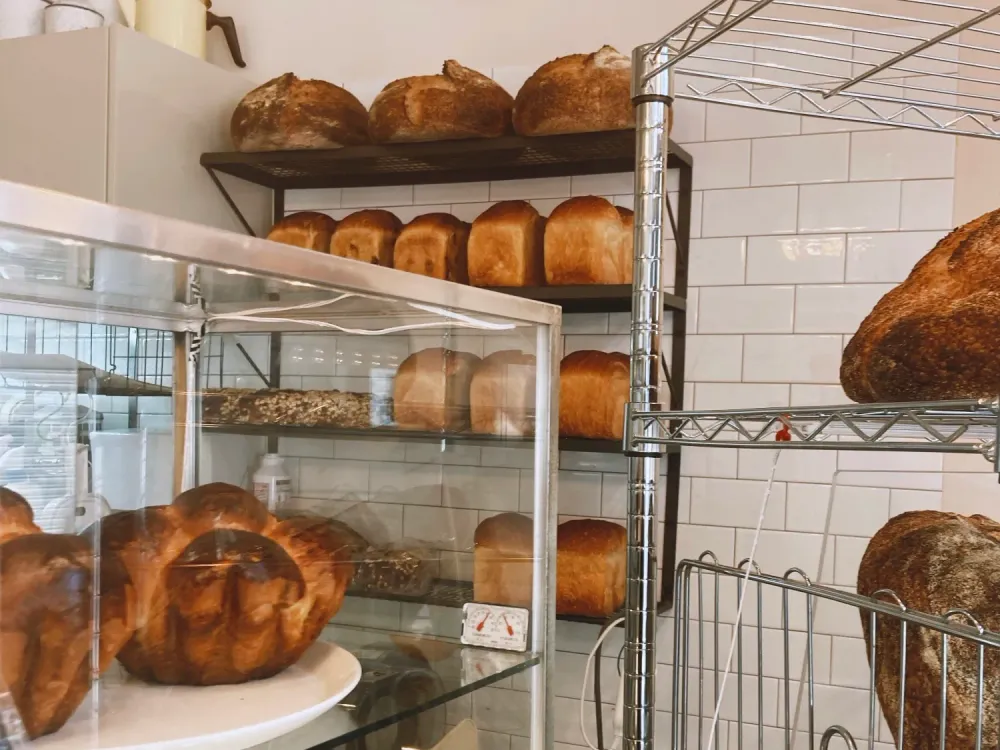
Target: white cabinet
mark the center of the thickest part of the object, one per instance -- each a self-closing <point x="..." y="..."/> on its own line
<point x="112" y="115"/>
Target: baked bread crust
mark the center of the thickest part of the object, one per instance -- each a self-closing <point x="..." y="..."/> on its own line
<point x="46" y="625"/>
<point x="588" y="241"/>
<point x="307" y="229"/>
<point x="502" y="395"/>
<point x="457" y="103"/>
<point x="291" y="114"/>
<point x="934" y="336"/>
<point x="935" y="562"/>
<point x="431" y="390"/>
<point x="435" y="245"/>
<point x="593" y="390"/>
<point x="577" y="94"/>
<point x="506" y="246"/>
<point x="591" y="567"/>
<point x="368" y="235"/>
<point x="227" y="593"/>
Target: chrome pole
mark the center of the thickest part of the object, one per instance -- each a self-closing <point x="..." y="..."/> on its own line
<point x="651" y="98"/>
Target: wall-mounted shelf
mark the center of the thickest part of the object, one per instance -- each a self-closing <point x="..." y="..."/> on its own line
<point x="589" y="298"/>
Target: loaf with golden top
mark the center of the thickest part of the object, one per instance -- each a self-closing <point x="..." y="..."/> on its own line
<point x="935" y="562"/>
<point x="457" y="103"/>
<point x="290" y="114"/>
<point x="227" y="593"/>
<point x="368" y="235"/>
<point x="431" y="390"/>
<point x="934" y="336"/>
<point x="502" y="396"/>
<point x="506" y="246"/>
<point x="588" y="240"/>
<point x="310" y="230"/>
<point x="502" y="563"/>
<point x="593" y="390"/>
<point x="590" y="567"/>
<point x="46" y="616"/>
<point x="434" y="245"/>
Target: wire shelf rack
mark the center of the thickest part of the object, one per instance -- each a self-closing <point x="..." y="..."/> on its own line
<point x="963" y="426"/>
<point x="920" y="64"/>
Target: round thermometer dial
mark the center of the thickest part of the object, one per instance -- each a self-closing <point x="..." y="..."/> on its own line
<point x="495" y="626"/>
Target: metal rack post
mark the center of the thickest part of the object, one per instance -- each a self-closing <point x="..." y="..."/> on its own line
<point x="651" y="98"/>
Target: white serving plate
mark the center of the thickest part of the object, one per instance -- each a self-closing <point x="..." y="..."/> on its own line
<point x="134" y="715"/>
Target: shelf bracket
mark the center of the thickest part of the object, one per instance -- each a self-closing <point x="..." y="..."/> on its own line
<point x="230" y="202"/>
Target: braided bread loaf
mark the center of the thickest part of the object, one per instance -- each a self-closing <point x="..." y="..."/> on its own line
<point x="46" y="628"/>
<point x="227" y="593"/>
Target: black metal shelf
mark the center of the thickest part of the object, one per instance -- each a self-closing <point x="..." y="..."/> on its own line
<point x="393" y="434"/>
<point x="589" y="298"/>
<point x="474" y="160"/>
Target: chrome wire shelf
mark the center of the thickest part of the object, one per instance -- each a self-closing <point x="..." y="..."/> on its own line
<point x="964" y="426"/>
<point x="920" y="64"/>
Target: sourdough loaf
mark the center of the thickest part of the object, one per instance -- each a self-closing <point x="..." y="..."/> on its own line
<point x="308" y="229"/>
<point x="588" y="241"/>
<point x="503" y="555"/>
<point x="287" y="114"/>
<point x="934" y="336"/>
<point x="368" y="236"/>
<point x="502" y="396"/>
<point x="226" y="592"/>
<point x="935" y="562"/>
<point x="431" y="390"/>
<point x="434" y="245"/>
<point x="506" y="246"/>
<point x="593" y="390"/>
<point x="590" y="568"/>
<point x="457" y="103"/>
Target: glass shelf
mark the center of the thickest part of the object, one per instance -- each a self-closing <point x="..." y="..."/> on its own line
<point x="403" y="676"/>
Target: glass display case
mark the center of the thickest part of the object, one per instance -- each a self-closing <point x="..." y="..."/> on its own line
<point x="225" y="517"/>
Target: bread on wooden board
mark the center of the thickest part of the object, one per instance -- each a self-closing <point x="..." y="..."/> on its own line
<point x="502" y="564"/>
<point x="431" y="390"/>
<point x="457" y="103"/>
<point x="307" y="229"/>
<point x="291" y="114"/>
<point x="935" y="562"/>
<point x="588" y="240"/>
<point x="434" y="245"/>
<point x="506" y="246"/>
<point x="368" y="235"/>
<point x="502" y="396"/>
<point x="590" y="567"/>
<point x="593" y="391"/>
<point x="934" y="336"/>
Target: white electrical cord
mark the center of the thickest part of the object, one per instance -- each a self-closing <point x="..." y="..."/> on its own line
<point x="586" y="681"/>
<point x="743" y="593"/>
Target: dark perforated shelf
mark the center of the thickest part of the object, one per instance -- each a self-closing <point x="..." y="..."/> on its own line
<point x="511" y="157"/>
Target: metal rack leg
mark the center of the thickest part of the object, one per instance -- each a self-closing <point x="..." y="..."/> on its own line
<point x="651" y="98"/>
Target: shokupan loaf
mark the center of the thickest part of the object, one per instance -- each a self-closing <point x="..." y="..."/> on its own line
<point x="226" y="592"/>
<point x="288" y="114"/>
<point x="431" y="390"/>
<point x="593" y="390"/>
<point x="368" y="236"/>
<point x="434" y="245"/>
<point x="502" y="562"/>
<point x="457" y="103"/>
<point x="502" y="395"/>
<point x="308" y="229"/>
<point x="46" y="616"/>
<point x="935" y="335"/>
<point x="506" y="246"/>
<point x="935" y="562"/>
<point x="590" y="567"/>
<point x="588" y="241"/>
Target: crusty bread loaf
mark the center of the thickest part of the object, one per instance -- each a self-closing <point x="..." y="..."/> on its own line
<point x="506" y="246"/>
<point x="504" y="551"/>
<point x="287" y="114"/>
<point x="431" y="390"/>
<point x="502" y="397"/>
<point x="368" y="236"/>
<point x="593" y="390"/>
<point x="226" y="592"/>
<point x="46" y="623"/>
<point x="434" y="245"/>
<point x="588" y="241"/>
<point x="458" y="103"/>
<point x="577" y="94"/>
<point x="935" y="562"/>
<point x="590" y="568"/>
<point x="309" y="229"/>
<point x="934" y="336"/>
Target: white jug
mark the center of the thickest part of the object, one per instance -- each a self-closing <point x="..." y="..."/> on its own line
<point x="184" y="25"/>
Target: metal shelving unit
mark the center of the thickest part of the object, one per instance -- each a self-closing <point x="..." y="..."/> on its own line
<point x="916" y="64"/>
